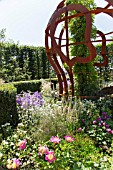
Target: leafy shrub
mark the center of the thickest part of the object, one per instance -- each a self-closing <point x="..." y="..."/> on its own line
<point x="57" y="135"/>
<point x="64" y="154"/>
<point x="101" y="131"/>
<point x="34" y="85"/>
<point x="8" y="110"/>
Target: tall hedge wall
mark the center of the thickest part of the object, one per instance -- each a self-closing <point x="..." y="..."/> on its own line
<point x="8" y="110"/>
<point x="19" y="63"/>
<point x="106" y="72"/>
<point x="8" y="92"/>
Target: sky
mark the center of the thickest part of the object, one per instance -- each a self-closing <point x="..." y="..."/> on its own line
<point x="26" y="20"/>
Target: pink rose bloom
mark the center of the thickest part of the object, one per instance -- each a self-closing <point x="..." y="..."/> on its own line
<point x="55" y="139"/>
<point x="17" y="161"/>
<point x="69" y="138"/>
<point x="15" y="164"/>
<point x="50" y="157"/>
<point x="79" y="129"/>
<point x="22" y="144"/>
<point x="42" y="150"/>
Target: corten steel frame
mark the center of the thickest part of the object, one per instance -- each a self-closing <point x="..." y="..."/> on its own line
<point x="54" y="44"/>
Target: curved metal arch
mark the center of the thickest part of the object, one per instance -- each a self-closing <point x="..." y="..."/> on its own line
<point x="55" y="48"/>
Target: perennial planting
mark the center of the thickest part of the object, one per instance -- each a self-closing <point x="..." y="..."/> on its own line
<point x="60" y="135"/>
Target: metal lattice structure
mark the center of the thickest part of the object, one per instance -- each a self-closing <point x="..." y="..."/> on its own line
<point x="54" y="43"/>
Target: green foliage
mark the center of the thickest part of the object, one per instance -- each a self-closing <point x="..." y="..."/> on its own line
<point x="89" y="4"/>
<point x="96" y="120"/>
<point x="106" y="72"/>
<point x="23" y="62"/>
<point x="80" y="119"/>
<point x="86" y="78"/>
<point x="85" y="74"/>
<point x="8" y="110"/>
<point x="69" y="155"/>
<point x="2" y="34"/>
<point x="55" y="119"/>
<point x="8" y="91"/>
<point x="34" y="85"/>
<point x="77" y="28"/>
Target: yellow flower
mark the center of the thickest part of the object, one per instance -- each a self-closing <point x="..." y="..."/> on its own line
<point x="14" y="165"/>
<point x="9" y="161"/>
<point x="9" y="166"/>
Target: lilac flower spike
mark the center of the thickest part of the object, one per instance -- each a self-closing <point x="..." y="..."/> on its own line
<point x="28" y="100"/>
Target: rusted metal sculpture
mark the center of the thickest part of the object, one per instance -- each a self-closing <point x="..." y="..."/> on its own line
<point x="54" y="45"/>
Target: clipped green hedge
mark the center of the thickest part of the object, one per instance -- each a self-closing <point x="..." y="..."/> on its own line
<point x="34" y="85"/>
<point x="21" y="62"/>
<point x="8" y="92"/>
<point x="8" y="111"/>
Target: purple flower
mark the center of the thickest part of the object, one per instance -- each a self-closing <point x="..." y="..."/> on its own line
<point x="83" y="120"/>
<point x="104" y="113"/>
<point x="94" y="122"/>
<point x="109" y="117"/>
<point x="18" y="99"/>
<point x="107" y="126"/>
<point x="68" y="83"/>
<point x="101" y="123"/>
<point x="99" y="119"/>
<point x="29" y="100"/>
<point x="104" y="117"/>
<point x="109" y="130"/>
<point x="79" y="129"/>
<point x="104" y="124"/>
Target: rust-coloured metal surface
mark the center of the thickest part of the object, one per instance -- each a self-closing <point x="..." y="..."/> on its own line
<point x="58" y="45"/>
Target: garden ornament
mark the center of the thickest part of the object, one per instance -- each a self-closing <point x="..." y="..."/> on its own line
<point x="56" y="41"/>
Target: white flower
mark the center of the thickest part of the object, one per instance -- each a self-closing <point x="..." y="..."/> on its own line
<point x="20" y="125"/>
<point x="1" y="154"/>
<point x="11" y="143"/>
<point x="17" y="154"/>
<point x="15" y="136"/>
<point x="9" y="161"/>
<point x="4" y="142"/>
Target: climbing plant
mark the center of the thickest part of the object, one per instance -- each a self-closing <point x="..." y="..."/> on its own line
<point x="85" y="74"/>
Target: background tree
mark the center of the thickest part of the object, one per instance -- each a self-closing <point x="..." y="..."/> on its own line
<point x="2" y="40"/>
<point x="19" y="63"/>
